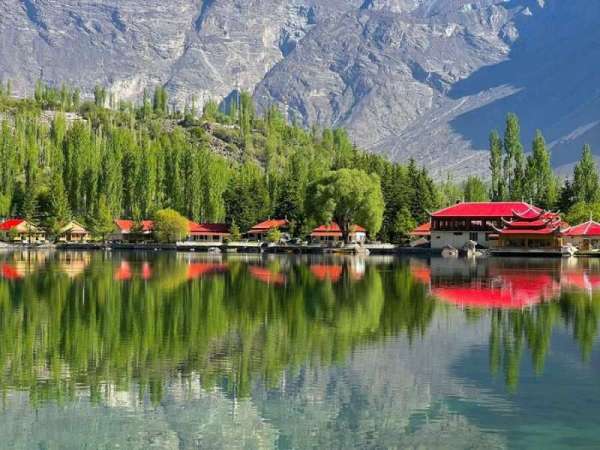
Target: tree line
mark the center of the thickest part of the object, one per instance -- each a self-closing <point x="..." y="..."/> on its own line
<point x="515" y="176"/>
<point x="223" y="164"/>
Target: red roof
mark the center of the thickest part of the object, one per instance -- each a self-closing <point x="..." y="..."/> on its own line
<point x="208" y="228"/>
<point x="422" y="230"/>
<point x="9" y="224"/>
<point x="268" y="225"/>
<point x="333" y="229"/>
<point x="587" y="229"/>
<point x="125" y="226"/>
<point x="491" y="210"/>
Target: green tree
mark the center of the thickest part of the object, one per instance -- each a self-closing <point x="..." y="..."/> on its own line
<point x="170" y="226"/>
<point x="498" y="189"/>
<point x="542" y="186"/>
<point x="403" y="225"/>
<point x="60" y="212"/>
<point x="475" y="190"/>
<point x="348" y="197"/>
<point x="514" y="160"/>
<point x="103" y="222"/>
<point x="585" y="178"/>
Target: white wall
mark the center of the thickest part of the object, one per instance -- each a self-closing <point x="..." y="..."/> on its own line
<point x="457" y="239"/>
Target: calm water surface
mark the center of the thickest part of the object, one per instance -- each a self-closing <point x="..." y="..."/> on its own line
<point x="138" y="351"/>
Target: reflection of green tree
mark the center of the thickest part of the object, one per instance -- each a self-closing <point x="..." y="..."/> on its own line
<point x="512" y="330"/>
<point x="59" y="333"/>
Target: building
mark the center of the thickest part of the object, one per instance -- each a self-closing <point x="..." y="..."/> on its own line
<point x="19" y="230"/>
<point x="208" y="232"/>
<point x="531" y="230"/>
<point x="585" y="236"/>
<point x="423" y="231"/>
<point x="131" y="231"/>
<point x="260" y="231"/>
<point x="73" y="232"/>
<point x="332" y="234"/>
<point x="458" y="224"/>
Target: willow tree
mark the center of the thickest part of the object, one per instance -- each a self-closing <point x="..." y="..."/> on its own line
<point x="348" y="197"/>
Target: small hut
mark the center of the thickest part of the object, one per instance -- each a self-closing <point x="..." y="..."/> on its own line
<point x="74" y="232"/>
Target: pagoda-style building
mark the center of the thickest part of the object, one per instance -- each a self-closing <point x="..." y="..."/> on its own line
<point x="531" y="230"/>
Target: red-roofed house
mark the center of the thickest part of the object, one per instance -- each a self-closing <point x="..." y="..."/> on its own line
<point x="332" y="234"/>
<point x="585" y="236"/>
<point x="129" y="230"/>
<point x="259" y="231"/>
<point x="19" y="230"/>
<point x="531" y="231"/>
<point x="475" y="221"/>
<point x="208" y="232"/>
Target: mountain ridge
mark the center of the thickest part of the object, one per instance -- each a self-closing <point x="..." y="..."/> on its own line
<point x="426" y="79"/>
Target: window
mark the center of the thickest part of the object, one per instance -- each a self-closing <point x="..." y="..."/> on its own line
<point x="474" y="236"/>
<point x="457" y="234"/>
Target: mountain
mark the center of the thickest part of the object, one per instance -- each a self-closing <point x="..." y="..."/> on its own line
<point x="409" y="78"/>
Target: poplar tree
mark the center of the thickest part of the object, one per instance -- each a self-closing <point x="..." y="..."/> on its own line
<point x="514" y="160"/>
<point x="585" y="178"/>
<point x="498" y="190"/>
<point x="541" y="186"/>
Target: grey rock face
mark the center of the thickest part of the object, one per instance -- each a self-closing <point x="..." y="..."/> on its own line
<point x="409" y="78"/>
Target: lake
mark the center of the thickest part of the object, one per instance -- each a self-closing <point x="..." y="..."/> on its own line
<point x="190" y="351"/>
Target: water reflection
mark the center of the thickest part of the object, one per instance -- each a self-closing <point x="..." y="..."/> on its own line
<point x="267" y="350"/>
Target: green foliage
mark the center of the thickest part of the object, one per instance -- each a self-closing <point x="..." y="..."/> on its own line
<point x="586" y="185"/>
<point x="542" y="186"/>
<point x="170" y="226"/>
<point x="138" y="160"/>
<point x="236" y="235"/>
<point x="582" y="212"/>
<point x="274" y="235"/>
<point x="349" y="196"/>
<point x="403" y="225"/>
<point x="498" y="191"/>
<point x="475" y="190"/>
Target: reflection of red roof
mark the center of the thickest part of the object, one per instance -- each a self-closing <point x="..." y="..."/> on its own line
<point x="581" y="280"/>
<point x="124" y="272"/>
<point x="146" y="271"/>
<point x="266" y="276"/>
<point x="422" y="230"/>
<point x="10" y="272"/>
<point x="198" y="270"/>
<point x="586" y="229"/>
<point x="327" y="272"/>
<point x="9" y="224"/>
<point x="269" y="225"/>
<point x="509" y="291"/>
<point x="209" y="228"/>
<point x="125" y="226"/>
<point x="421" y="273"/>
<point x="487" y="210"/>
<point x="333" y="229"/>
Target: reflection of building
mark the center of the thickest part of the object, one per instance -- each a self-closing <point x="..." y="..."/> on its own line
<point x="332" y="234"/>
<point x="199" y="270"/>
<point x="73" y="232"/>
<point x="488" y="286"/>
<point x="585" y="236"/>
<point x="208" y="232"/>
<point x="458" y="224"/>
<point x="259" y="231"/>
<point x="331" y="272"/>
<point x="19" y="230"/>
<point x="266" y="276"/>
<point x="73" y="264"/>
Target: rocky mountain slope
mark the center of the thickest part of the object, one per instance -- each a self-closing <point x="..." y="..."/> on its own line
<point x="411" y="78"/>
